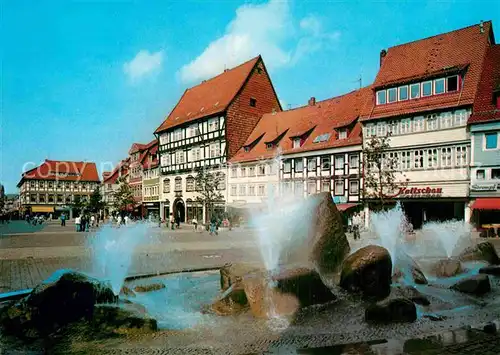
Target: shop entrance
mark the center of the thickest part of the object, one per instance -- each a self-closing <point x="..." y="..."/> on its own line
<point x="180" y="210"/>
<point x="420" y="212"/>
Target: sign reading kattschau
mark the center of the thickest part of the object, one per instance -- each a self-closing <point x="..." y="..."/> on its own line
<point x="415" y="192"/>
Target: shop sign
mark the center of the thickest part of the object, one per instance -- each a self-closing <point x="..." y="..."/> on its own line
<point x="426" y="191"/>
<point x="484" y="187"/>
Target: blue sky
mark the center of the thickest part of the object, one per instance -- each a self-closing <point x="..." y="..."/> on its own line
<point x="83" y="80"/>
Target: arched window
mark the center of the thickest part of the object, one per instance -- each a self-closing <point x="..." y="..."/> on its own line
<point x="190" y="183"/>
<point x="166" y="185"/>
<point x="178" y="184"/>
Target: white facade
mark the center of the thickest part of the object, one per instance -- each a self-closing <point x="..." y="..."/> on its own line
<point x="433" y="155"/>
<point x="182" y="150"/>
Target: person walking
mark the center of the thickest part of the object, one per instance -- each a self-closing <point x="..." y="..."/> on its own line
<point x="92" y="221"/>
<point x="172" y="221"/>
<point x="213" y="222"/>
<point x="78" y="221"/>
<point x="63" y="220"/>
<point x="195" y="224"/>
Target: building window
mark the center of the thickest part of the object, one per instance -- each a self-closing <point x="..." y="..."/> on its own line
<point x="311" y="187"/>
<point x="480" y="174"/>
<point x="353" y="187"/>
<point x="432" y="122"/>
<point x="33" y="198"/>
<point x="287" y="166"/>
<point x="214" y="150"/>
<point x="251" y="190"/>
<point x="190" y="183"/>
<point x="243" y="190"/>
<point x="354" y="161"/>
<point x="296" y="142"/>
<point x="392" y="127"/>
<point x="445" y="157"/>
<point x="234" y="172"/>
<point x="177" y="135"/>
<point x="253" y="102"/>
<point x="339" y="162"/>
<point x="299" y="165"/>
<point x="418" y="159"/>
<point x="414" y="91"/>
<point x="251" y="171"/>
<point x="460" y="117"/>
<point x="298" y="188"/>
<point x="269" y="146"/>
<point x="233" y="190"/>
<point x="262" y="190"/>
<point x="261" y="169"/>
<point x="59" y="198"/>
<point x="403" y="93"/>
<point x="325" y="185"/>
<point x="405" y="126"/>
<point x="339" y="187"/>
<point x="32" y="184"/>
<point x="452" y="83"/>
<point x="325" y="162"/>
<point x="311" y="164"/>
<point x="446" y="120"/>
<point x="432" y="158"/>
<point x="495" y="174"/>
<point x="41" y="185"/>
<point x="221" y="181"/>
<point x="196" y="154"/>
<point x="392" y="95"/>
<point x="178" y="184"/>
<point x="381" y="99"/>
<point x="243" y="172"/>
<point x="213" y="124"/>
<point x="179" y="157"/>
<point x="59" y="185"/>
<point x="461" y="156"/>
<point x="381" y="129"/>
<point x="491" y="140"/>
<point x="371" y="130"/>
<point x="439" y="86"/>
<point x="426" y="88"/>
<point x="41" y="198"/>
<point x="343" y="133"/>
<point x="419" y="124"/>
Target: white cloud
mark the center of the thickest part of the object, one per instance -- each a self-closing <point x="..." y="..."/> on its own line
<point x="268" y="29"/>
<point x="143" y="64"/>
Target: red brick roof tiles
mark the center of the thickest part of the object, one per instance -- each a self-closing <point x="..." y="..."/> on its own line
<point x="120" y="170"/>
<point x="323" y="117"/>
<point x="62" y="171"/>
<point x="484" y="107"/>
<point x="459" y="49"/>
<point x="210" y="97"/>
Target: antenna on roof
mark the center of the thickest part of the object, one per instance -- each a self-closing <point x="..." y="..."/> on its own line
<point x="360" y="81"/>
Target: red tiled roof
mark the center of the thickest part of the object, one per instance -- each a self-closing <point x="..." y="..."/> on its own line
<point x="210" y="97"/>
<point x="484" y="107"/>
<point x="321" y="118"/>
<point x="62" y="171"/>
<point x="152" y="151"/>
<point x="462" y="49"/>
<point x="120" y="170"/>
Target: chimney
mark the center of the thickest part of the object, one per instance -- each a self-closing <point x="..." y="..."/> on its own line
<point x="383" y="53"/>
<point x="481" y="27"/>
<point x="312" y="101"/>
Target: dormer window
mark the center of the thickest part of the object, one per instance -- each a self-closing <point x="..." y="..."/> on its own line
<point x="296" y="142"/>
<point x="439" y="86"/>
<point x="381" y="97"/>
<point x="246" y="148"/>
<point x="426" y="88"/>
<point x="391" y="95"/>
<point x="253" y="102"/>
<point x="452" y="83"/>
<point x="342" y="133"/>
<point x="269" y="146"/>
<point x="414" y="91"/>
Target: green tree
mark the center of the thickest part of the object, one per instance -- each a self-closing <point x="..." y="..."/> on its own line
<point x="208" y="186"/>
<point x="123" y="197"/>
<point x="96" y="203"/>
<point x="79" y="205"/>
<point x="381" y="170"/>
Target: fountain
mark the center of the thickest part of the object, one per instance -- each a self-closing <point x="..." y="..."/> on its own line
<point x="453" y="236"/>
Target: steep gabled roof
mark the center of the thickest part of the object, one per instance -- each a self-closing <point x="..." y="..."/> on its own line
<point x="152" y="151"/>
<point x="461" y="50"/>
<point x="484" y="108"/>
<point x="120" y="170"/>
<point x="62" y="171"/>
<point x="309" y="122"/>
<point x="210" y="97"/>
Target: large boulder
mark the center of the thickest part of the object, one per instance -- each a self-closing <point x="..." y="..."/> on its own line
<point x="368" y="271"/>
<point x="476" y="285"/>
<point x="447" y="268"/>
<point x="327" y="239"/>
<point x="64" y="298"/>
<point x="484" y="251"/>
<point x="391" y="310"/>
<point x="284" y="293"/>
<point x="406" y="270"/>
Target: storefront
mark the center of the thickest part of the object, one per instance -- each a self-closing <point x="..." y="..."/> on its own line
<point x="152" y="209"/>
<point x="486" y="214"/>
<point x="194" y="210"/>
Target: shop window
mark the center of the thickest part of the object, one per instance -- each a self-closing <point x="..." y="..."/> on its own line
<point x="299" y="165"/>
<point x="480" y="174"/>
<point x="495" y="174"/>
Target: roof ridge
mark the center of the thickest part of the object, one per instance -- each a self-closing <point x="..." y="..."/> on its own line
<point x="440" y="34"/>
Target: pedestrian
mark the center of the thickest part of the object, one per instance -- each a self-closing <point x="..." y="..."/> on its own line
<point x="78" y="221"/>
<point x="195" y="224"/>
<point x="172" y="221"/>
<point x="213" y="222"/>
<point x="92" y="221"/>
<point x="63" y="220"/>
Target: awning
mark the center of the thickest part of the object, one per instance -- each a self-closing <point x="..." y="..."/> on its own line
<point x="45" y="209"/>
<point x="486" y="204"/>
<point x="346" y="206"/>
